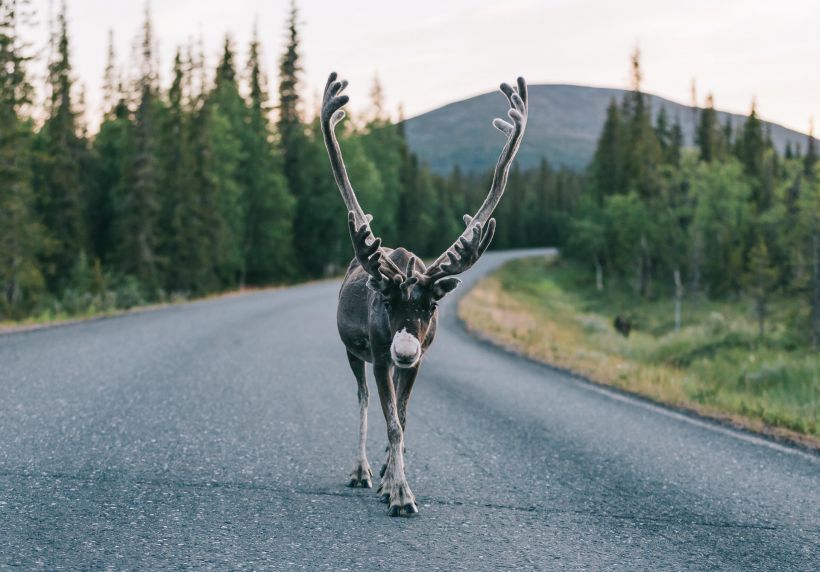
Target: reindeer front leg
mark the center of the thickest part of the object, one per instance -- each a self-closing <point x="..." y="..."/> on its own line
<point x="393" y="488"/>
<point x="404" y="380"/>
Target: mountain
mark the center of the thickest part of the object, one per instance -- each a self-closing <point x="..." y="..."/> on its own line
<point x="564" y="124"/>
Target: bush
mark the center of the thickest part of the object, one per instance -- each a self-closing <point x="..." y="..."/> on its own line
<point x="128" y="293"/>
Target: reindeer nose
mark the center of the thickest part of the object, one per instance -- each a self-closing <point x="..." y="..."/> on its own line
<point x="405" y="349"/>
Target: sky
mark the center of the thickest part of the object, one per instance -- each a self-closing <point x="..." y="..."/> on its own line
<point x="428" y="53"/>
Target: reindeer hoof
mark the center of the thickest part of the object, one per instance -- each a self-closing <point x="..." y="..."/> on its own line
<point x="365" y="483"/>
<point x="401" y="499"/>
<point x="361" y="476"/>
<point x="383" y="470"/>
<point x="407" y="509"/>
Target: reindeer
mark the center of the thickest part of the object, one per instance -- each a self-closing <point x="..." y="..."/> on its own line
<point x="387" y="303"/>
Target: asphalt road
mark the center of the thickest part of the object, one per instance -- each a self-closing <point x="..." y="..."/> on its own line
<point x="220" y="434"/>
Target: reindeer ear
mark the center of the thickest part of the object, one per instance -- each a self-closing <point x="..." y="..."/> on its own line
<point x="444" y="286"/>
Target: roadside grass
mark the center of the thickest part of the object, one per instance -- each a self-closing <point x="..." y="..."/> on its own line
<point x="716" y="365"/>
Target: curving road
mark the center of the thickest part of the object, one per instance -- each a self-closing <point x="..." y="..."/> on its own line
<point x="219" y="434"/>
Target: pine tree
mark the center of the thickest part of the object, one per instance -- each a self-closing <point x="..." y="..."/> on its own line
<point x="673" y="155"/>
<point x="226" y="117"/>
<point x="304" y="163"/>
<point x="663" y="132"/>
<point x="137" y="225"/>
<point x="111" y="151"/>
<point x="726" y="139"/>
<point x="21" y="237"/>
<point x="108" y="154"/>
<point x="607" y="164"/>
<point x="111" y="82"/>
<point x="810" y="158"/>
<point x="416" y="215"/>
<point x="58" y="159"/>
<point x="751" y="144"/>
<point x="289" y="125"/>
<point x="383" y="144"/>
<point x="183" y="231"/>
<point x="707" y="131"/>
<point x="202" y="204"/>
<point x="642" y="152"/>
<point x="268" y="244"/>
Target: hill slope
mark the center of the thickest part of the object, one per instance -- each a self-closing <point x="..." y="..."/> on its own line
<point x="564" y="124"/>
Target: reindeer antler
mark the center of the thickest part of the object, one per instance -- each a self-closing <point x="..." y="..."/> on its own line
<point x="475" y="239"/>
<point x="366" y="246"/>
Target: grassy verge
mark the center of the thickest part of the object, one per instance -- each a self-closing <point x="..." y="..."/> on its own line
<point x="716" y="365"/>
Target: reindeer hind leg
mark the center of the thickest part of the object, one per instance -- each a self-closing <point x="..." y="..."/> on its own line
<point x="361" y="476"/>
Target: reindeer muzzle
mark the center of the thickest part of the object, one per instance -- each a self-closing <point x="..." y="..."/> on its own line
<point x="405" y="349"/>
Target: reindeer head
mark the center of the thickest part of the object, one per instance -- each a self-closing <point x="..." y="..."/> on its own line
<point x="406" y="297"/>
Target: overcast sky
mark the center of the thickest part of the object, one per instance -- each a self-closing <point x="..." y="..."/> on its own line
<point x="428" y="53"/>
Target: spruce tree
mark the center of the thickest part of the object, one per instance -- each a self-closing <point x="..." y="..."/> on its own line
<point x="202" y="196"/>
<point x="57" y="163"/>
<point x="107" y="164"/>
<point x="707" y="131"/>
<point x="111" y="151"/>
<point x="111" y="82"/>
<point x="183" y="232"/>
<point x="382" y="142"/>
<point x="607" y="164"/>
<point x="268" y="243"/>
<point x="289" y="125"/>
<point x="663" y="132"/>
<point x="642" y="152"/>
<point x="750" y="144"/>
<point x="673" y="154"/>
<point x="137" y="225"/>
<point x="21" y="237"/>
<point x="304" y="163"/>
<point x="810" y="158"/>
<point x="226" y="114"/>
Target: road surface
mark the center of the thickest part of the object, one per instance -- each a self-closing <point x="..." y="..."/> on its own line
<point x="219" y="435"/>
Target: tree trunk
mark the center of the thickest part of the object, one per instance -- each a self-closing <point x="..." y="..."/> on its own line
<point x="815" y="290"/>
<point x="678" y="299"/>
<point x="695" y="262"/>
<point x="645" y="268"/>
<point x="599" y="274"/>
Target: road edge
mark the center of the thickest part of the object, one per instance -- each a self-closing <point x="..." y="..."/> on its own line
<point x="808" y="447"/>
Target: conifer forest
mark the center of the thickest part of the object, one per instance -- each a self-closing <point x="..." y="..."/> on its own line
<point x="220" y="180"/>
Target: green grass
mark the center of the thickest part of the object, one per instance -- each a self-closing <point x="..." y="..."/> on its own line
<point x="716" y="364"/>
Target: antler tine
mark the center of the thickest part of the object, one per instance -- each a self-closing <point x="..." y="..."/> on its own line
<point x="464" y="253"/>
<point x="480" y="228"/>
<point x="410" y="278"/>
<point x="369" y="253"/>
<point x="517" y="97"/>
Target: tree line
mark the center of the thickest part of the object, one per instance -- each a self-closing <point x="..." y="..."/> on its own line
<point x="728" y="217"/>
<point x="211" y="184"/>
<point x="194" y="189"/>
